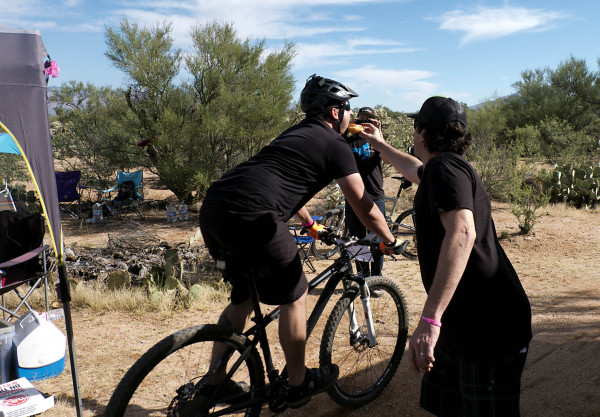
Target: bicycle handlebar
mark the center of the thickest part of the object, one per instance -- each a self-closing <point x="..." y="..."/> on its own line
<point x="328" y="237"/>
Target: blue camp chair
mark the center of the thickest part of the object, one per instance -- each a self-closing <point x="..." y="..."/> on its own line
<point x="304" y="244"/>
<point x="129" y="194"/>
<point x="69" y="192"/>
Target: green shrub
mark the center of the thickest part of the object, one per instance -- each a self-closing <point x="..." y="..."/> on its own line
<point x="525" y="200"/>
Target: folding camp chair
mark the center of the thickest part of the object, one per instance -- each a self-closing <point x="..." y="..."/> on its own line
<point x="6" y="199"/>
<point x="21" y="238"/>
<point x="303" y="242"/>
<point x="69" y="192"/>
<point x="129" y="194"/>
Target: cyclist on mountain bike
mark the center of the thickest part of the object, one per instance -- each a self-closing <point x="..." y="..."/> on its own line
<point x="259" y="196"/>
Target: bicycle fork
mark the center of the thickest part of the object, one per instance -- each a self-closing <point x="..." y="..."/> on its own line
<point x="365" y="298"/>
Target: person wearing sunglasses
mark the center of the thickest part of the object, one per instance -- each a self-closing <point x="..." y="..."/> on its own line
<point x="259" y="196"/>
<point x="368" y="162"/>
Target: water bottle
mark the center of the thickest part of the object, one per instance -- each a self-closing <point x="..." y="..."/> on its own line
<point x="97" y="212"/>
<point x="171" y="213"/>
<point x="183" y="211"/>
<point x="52" y="315"/>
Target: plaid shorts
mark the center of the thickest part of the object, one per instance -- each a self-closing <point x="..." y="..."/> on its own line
<point x="459" y="387"/>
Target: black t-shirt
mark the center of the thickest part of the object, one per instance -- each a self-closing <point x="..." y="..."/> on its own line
<point x="489" y="314"/>
<point x="285" y="174"/>
<point x="368" y="162"/>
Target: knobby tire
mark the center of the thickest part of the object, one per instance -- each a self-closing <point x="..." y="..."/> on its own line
<point x="365" y="371"/>
<point x="403" y="228"/>
<point x="148" y="388"/>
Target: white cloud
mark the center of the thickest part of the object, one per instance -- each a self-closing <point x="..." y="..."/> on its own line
<point x="492" y="23"/>
<point x="391" y="86"/>
<point x="347" y="52"/>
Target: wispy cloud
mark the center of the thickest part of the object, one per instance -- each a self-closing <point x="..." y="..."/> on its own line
<point x="406" y="85"/>
<point x="347" y="52"/>
<point x="491" y="23"/>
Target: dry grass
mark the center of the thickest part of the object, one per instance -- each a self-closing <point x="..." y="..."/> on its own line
<point x="95" y="297"/>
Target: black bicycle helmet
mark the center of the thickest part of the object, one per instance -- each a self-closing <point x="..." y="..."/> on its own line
<point x="320" y="92"/>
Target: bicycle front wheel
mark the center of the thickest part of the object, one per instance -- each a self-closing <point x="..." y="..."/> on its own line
<point x="334" y="219"/>
<point x="170" y="378"/>
<point x="404" y="229"/>
<point x="365" y="370"/>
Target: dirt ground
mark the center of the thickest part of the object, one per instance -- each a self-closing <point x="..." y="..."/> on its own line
<point x="558" y="266"/>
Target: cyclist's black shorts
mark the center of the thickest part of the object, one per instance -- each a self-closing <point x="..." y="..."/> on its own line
<point x="258" y="242"/>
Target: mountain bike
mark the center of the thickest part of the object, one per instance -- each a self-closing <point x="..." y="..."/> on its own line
<point x="365" y="336"/>
<point x="403" y="226"/>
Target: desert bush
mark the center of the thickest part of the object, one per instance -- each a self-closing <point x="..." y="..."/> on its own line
<point x="525" y="200"/>
<point x="497" y="167"/>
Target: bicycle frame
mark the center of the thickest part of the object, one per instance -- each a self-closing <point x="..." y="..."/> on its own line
<point x="339" y="271"/>
<point x="390" y="216"/>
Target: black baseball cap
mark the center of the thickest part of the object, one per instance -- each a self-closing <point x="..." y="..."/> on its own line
<point x="438" y="110"/>
<point x="366" y="112"/>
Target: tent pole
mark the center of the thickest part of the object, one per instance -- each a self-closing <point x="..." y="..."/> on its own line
<point x="65" y="296"/>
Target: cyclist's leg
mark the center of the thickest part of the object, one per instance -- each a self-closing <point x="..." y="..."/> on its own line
<point x="234" y="316"/>
<point x="357" y="229"/>
<point x="292" y="336"/>
<point x="219" y="230"/>
<point x="285" y="285"/>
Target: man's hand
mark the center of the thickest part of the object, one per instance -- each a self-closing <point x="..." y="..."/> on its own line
<point x="420" y="346"/>
<point x="395" y="248"/>
<point x="315" y="230"/>
<point x="372" y="133"/>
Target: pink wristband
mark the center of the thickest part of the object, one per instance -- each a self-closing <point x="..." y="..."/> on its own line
<point x="432" y="321"/>
<point x="308" y="226"/>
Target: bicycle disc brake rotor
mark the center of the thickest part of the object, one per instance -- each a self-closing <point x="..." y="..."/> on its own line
<point x="359" y="339"/>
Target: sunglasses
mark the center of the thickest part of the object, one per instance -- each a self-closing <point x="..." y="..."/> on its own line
<point x="345" y="106"/>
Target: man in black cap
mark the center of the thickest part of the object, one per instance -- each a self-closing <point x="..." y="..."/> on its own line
<point x="476" y="358"/>
<point x="368" y="163"/>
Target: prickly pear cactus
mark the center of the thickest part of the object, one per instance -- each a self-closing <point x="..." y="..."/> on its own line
<point x="577" y="186"/>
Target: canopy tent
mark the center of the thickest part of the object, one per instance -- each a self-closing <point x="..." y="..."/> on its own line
<point x="24" y="117"/>
<point x="8" y="145"/>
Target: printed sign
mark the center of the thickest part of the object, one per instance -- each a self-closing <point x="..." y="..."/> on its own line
<point x="19" y="398"/>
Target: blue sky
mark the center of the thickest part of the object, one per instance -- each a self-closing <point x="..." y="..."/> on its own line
<point x="393" y="53"/>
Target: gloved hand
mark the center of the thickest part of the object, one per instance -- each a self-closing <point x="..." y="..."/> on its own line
<point x="395" y="248"/>
<point x="315" y="230"/>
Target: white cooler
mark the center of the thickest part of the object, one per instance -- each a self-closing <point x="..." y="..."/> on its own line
<point x="39" y="347"/>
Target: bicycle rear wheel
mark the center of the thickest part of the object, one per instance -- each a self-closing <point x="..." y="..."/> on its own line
<point x="168" y="379"/>
<point x="334" y="219"/>
<point x="403" y="228"/>
<point x="365" y="371"/>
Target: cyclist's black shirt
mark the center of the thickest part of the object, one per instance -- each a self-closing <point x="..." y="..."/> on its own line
<point x="489" y="314"/>
<point x="287" y="173"/>
<point x="368" y="162"/>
